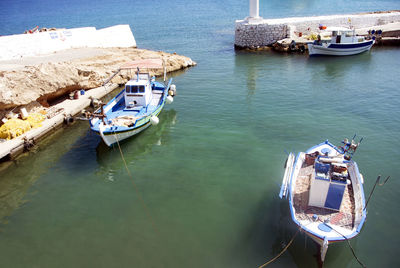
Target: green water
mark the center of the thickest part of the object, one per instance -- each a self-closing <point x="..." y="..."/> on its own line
<point x="204" y="183"/>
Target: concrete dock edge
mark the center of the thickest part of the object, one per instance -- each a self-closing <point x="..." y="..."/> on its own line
<point x="11" y="148"/>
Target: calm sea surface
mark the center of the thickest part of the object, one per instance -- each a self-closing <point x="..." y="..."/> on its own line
<point x="205" y="181"/>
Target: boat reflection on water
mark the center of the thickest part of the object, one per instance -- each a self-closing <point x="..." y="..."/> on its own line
<point x="336" y="68"/>
<point x="108" y="158"/>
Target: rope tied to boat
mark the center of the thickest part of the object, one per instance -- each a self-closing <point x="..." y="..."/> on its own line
<point x="283" y="250"/>
<point x="373" y="189"/>
<point x="351" y="248"/>
<point x="136" y="188"/>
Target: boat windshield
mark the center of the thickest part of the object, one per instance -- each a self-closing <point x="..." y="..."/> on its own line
<point x="135" y="89"/>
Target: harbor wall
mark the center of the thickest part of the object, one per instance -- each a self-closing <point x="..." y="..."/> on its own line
<point x="259" y="32"/>
<point x="36" y="44"/>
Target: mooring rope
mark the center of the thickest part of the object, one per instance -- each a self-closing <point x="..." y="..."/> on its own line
<point x="373" y="189"/>
<point x="136" y="189"/>
<point x="351" y="248"/>
<point x="280" y="253"/>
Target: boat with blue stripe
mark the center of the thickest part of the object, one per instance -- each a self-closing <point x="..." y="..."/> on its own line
<point x="341" y="42"/>
<point x="136" y="107"/>
<point x="325" y="192"/>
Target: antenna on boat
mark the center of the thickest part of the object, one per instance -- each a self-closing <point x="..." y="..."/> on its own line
<point x="165" y="70"/>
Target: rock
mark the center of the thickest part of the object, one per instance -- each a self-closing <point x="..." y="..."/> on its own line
<point x="44" y="82"/>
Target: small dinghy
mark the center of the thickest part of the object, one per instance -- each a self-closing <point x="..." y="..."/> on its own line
<point x="343" y="42"/>
<point x="136" y="107"/>
<point x="325" y="192"/>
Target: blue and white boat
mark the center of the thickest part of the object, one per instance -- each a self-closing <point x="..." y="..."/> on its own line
<point x="325" y="192"/>
<point x="136" y="107"/>
<point x="343" y="42"/>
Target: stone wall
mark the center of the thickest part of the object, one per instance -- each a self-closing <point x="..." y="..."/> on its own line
<point x="253" y="33"/>
<point x="256" y="33"/>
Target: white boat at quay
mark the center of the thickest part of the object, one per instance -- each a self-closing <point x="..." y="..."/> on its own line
<point x="136" y="107"/>
<point x="343" y="42"/>
<point x="325" y="192"/>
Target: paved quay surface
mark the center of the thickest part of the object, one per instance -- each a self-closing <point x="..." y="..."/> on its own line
<point x="59" y="56"/>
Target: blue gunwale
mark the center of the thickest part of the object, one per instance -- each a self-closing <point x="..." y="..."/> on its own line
<point x="347" y="46"/>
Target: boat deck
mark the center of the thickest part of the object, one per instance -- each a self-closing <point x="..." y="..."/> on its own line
<point x="344" y="218"/>
<point x="120" y="115"/>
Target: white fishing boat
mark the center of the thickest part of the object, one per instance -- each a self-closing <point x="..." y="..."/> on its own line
<point x="343" y="42"/>
<point x="136" y="107"/>
<point x="325" y="192"/>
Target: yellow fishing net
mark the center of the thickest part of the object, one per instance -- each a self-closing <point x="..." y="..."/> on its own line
<point x="16" y="127"/>
<point x="312" y="36"/>
<point x="35" y="119"/>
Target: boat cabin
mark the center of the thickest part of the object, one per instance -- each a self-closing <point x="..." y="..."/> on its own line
<point x="343" y="35"/>
<point x="328" y="183"/>
<point x="138" y="91"/>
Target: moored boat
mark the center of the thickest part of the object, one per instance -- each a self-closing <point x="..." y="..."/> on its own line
<point x="325" y="192"/>
<point x="343" y="42"/>
<point x="136" y="107"/>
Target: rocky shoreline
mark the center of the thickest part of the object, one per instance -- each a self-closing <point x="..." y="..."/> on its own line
<point x="40" y="81"/>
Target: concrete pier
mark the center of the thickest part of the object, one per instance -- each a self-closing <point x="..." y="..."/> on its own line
<point x="256" y="33"/>
<point x="66" y="109"/>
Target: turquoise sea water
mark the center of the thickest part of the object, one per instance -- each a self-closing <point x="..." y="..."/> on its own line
<point x="205" y="181"/>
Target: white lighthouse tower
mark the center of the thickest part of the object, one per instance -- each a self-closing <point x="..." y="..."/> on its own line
<point x="254" y="8"/>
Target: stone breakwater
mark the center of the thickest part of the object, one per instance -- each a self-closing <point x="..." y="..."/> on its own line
<point x="258" y="32"/>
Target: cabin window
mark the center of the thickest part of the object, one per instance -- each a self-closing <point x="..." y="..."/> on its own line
<point x="134" y="89"/>
<point x="338" y="38"/>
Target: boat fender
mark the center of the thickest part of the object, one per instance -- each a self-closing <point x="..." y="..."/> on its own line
<point x="362" y="178"/>
<point x="302" y="48"/>
<point x="170" y="99"/>
<point x="172" y="90"/>
<point x="154" y="120"/>
<point x="292" y="45"/>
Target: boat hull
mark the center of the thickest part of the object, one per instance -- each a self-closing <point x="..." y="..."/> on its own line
<point x="339" y="49"/>
<point x="112" y="138"/>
